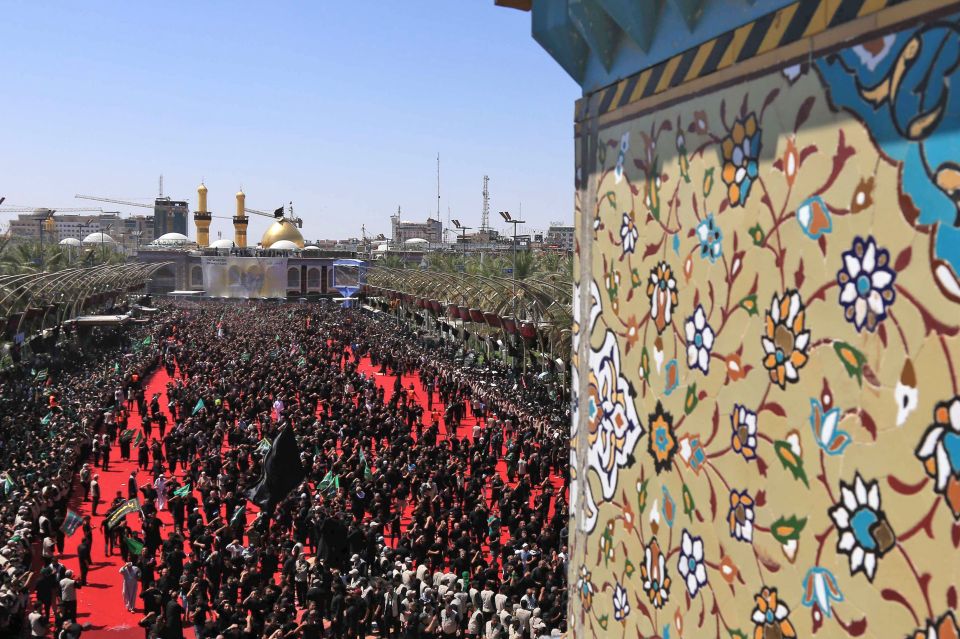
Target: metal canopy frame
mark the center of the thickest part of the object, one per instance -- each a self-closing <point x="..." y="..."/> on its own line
<point x="548" y="302"/>
<point x="64" y="293"/>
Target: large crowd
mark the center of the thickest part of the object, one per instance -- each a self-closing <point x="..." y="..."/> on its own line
<point x="407" y="523"/>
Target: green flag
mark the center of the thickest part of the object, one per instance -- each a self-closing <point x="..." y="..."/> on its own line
<point x="41" y="376"/>
<point x="127" y="435"/>
<point x="183" y="491"/>
<point x="46" y="418"/>
<point x="329" y="481"/>
<point x="147" y="340"/>
<point x="133" y="545"/>
<point x="238" y="514"/>
<point x="139" y="438"/>
<point x="200" y="406"/>
<point x="7" y="484"/>
<point x="116" y="367"/>
<point x="326" y="482"/>
<point x="264" y="446"/>
<point x="367" y="474"/>
<point x="302" y="362"/>
<point x="71" y="522"/>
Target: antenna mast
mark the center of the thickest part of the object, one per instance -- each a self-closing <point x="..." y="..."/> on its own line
<point x="438" y="186"/>
<point x="485" y="213"/>
<point x="161" y="185"/>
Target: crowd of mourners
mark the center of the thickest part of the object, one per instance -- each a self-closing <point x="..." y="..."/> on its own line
<point x="50" y="409"/>
<point x="405" y="525"/>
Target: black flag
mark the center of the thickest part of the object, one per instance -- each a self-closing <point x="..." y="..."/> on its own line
<point x="282" y="471"/>
<point x="278" y="212"/>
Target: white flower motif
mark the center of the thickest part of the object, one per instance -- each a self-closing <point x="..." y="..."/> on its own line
<point x="744" y="437"/>
<point x="690" y="564"/>
<point x="621" y="603"/>
<point x="596" y="308"/>
<point x="628" y="234"/>
<point x="585" y="515"/>
<point x="866" y="284"/>
<point x="621" y="156"/>
<point x="864" y="533"/>
<point x="613" y="425"/>
<point x="907" y="394"/>
<point x="699" y="340"/>
<point x="938" y="450"/>
<point x="792" y="72"/>
<point x="870" y="58"/>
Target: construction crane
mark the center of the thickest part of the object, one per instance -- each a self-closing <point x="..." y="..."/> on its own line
<point x="295" y="220"/>
<point x="43" y="209"/>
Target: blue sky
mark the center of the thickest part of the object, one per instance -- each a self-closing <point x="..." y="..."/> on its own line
<point x="340" y="107"/>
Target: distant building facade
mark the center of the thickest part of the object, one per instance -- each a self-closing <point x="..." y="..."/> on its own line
<point x="170" y="216"/>
<point x="561" y="236"/>
<point x="130" y="231"/>
<point x="403" y="230"/>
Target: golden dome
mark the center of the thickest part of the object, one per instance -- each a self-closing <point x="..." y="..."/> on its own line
<point x="282" y="229"/>
<point x="202" y="187"/>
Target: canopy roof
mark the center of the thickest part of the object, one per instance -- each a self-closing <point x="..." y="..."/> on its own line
<point x="65" y="293"/>
<point x="545" y="300"/>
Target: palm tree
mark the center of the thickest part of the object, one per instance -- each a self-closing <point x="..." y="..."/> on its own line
<point x="393" y="261"/>
<point x="525" y="265"/>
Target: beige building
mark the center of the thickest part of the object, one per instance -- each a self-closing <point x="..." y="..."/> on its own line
<point x="130" y="232"/>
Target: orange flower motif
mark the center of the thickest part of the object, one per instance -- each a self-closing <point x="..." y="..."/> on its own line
<point x="741" y="516"/>
<point x="791" y="160"/>
<point x="653" y="573"/>
<point x="862" y="196"/>
<point x="771" y="617"/>
<point x="662" y="291"/>
<point x="741" y="150"/>
<point x="786" y="340"/>
<point x="945" y="627"/>
<point x="632" y="332"/>
<point x="935" y="451"/>
<point x="728" y="569"/>
<point x="627" y="516"/>
<point x="735" y="367"/>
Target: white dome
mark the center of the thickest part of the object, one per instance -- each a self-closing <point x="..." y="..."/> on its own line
<point x="416" y="240"/>
<point x="311" y="248"/>
<point x="383" y="247"/>
<point x="70" y="241"/>
<point x="98" y="238"/>
<point x="173" y="237"/>
<point x="223" y="243"/>
<point x="284" y="245"/>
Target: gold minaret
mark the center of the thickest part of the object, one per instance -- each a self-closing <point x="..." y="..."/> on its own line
<point x="202" y="218"/>
<point x="240" y="221"/>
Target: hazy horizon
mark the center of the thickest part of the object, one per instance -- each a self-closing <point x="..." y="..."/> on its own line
<point x="340" y="109"/>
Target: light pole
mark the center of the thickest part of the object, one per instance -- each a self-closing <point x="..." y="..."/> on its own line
<point x="463" y="240"/>
<point x="509" y="220"/>
<point x="46" y="224"/>
<point x="463" y="268"/>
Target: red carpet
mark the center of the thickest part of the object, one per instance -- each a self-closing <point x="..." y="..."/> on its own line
<point x="100" y="602"/>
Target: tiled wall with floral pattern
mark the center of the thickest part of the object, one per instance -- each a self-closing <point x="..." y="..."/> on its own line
<point x="768" y="439"/>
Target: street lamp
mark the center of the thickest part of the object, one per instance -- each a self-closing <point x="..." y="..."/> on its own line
<point x="463" y="240"/>
<point x="46" y="224"/>
<point x="510" y="220"/>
